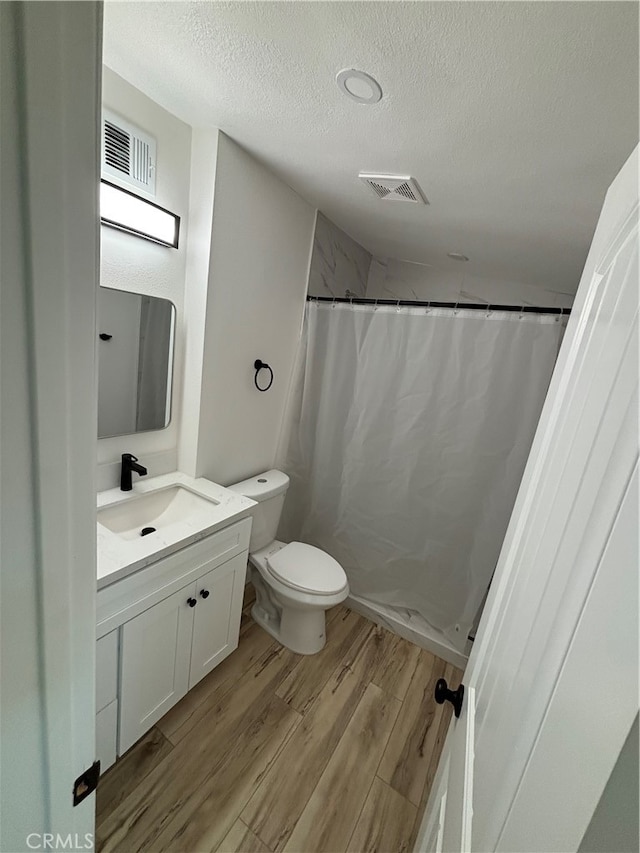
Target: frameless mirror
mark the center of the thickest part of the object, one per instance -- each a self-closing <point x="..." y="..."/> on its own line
<point x="135" y="361"/>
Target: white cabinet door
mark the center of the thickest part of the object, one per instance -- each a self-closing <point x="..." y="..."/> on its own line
<point x="155" y="652"/>
<point x="217" y="616"/>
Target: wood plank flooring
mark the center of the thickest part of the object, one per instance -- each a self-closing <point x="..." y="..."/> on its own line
<point x="280" y="752"/>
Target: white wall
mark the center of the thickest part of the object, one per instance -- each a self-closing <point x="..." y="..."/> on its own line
<point x="393" y="279"/>
<point x="131" y="263"/>
<point x="259" y="264"/>
<point x="204" y="153"/>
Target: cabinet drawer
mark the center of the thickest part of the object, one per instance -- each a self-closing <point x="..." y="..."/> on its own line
<point x="106" y="670"/>
<point x="106" y="735"/>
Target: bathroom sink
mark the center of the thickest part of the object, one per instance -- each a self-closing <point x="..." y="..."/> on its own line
<point x="145" y="514"/>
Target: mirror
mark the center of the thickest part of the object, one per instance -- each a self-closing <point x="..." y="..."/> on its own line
<point x="135" y="362"/>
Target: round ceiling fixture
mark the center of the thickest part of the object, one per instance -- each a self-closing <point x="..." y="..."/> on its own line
<point x="359" y="86"/>
<point x="457" y="256"/>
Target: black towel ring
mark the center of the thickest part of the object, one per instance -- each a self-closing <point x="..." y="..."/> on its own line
<point x="260" y="365"/>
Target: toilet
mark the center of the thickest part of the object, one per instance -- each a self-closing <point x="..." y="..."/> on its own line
<point x="295" y="583"/>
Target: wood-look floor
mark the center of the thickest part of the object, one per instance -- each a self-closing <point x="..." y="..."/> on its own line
<point x="280" y="752"/>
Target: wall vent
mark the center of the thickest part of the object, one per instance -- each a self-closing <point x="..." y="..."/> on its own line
<point x="394" y="187"/>
<point x="128" y="153"/>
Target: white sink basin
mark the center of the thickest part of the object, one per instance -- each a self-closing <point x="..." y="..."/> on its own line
<point x="156" y="509"/>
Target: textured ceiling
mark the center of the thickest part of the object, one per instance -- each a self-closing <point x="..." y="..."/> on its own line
<point x="514" y="117"/>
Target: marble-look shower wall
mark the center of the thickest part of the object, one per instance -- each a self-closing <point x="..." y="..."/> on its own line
<point x="393" y="279"/>
<point x="338" y="263"/>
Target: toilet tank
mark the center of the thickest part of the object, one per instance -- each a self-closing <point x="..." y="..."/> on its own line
<point x="269" y="491"/>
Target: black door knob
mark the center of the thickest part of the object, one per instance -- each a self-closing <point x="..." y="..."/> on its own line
<point x="204" y="593"/>
<point x="443" y="694"/>
<point x="191" y="602"/>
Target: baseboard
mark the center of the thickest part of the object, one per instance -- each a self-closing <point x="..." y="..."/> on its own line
<point x="425" y="636"/>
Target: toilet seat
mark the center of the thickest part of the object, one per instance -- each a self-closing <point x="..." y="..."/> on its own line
<point x="307" y="569"/>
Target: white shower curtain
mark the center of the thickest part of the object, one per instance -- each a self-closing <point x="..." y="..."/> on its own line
<point x="406" y="439"/>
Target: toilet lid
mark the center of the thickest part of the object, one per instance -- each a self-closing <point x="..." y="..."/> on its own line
<point x="307" y="568"/>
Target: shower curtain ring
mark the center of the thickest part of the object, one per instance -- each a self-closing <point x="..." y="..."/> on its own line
<point x="428" y="308"/>
<point x="455" y="310"/>
<point x="333" y="304"/>
<point x="375" y="304"/>
<point x="398" y="306"/>
<point x="521" y="313"/>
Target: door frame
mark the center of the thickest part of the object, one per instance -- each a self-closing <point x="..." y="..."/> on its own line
<point x="51" y="97"/>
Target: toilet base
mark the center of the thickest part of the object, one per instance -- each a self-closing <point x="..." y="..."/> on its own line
<point x="302" y="631"/>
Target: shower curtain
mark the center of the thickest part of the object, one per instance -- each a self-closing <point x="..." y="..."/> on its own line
<point x="406" y="438"/>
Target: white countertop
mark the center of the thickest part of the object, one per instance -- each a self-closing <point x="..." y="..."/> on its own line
<point x="118" y="557"/>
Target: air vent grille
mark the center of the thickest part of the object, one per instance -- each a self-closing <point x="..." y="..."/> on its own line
<point x="394" y="188"/>
<point x="128" y="153"/>
<point x="378" y="189"/>
<point x="117" y="147"/>
<point x="406" y="192"/>
<point x="141" y="162"/>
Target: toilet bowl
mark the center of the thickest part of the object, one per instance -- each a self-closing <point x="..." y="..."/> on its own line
<point x="295" y="583"/>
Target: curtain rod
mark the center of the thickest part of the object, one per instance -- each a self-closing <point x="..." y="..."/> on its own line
<point x="467" y="306"/>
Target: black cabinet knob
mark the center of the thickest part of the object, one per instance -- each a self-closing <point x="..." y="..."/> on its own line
<point x="443" y="694"/>
<point x="204" y="593"/>
<point x="191" y="602"/>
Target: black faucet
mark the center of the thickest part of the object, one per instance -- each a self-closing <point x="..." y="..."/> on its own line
<point x="129" y="464"/>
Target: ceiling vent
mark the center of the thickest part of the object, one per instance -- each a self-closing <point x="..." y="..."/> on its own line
<point x="128" y="153"/>
<point x="394" y="187"/>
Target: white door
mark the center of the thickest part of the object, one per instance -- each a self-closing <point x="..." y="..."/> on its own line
<point x="555" y="663"/>
<point x="217" y="616"/>
<point x="592" y="708"/>
<point x="50" y="82"/>
<point x="155" y="651"/>
<point x="450" y="829"/>
<point x="456" y="829"/>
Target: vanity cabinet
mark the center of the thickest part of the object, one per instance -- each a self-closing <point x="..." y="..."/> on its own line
<point x="168" y="648"/>
<point x="161" y="630"/>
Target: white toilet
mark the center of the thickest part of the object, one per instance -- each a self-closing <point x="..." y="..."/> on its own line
<point x="294" y="583"/>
